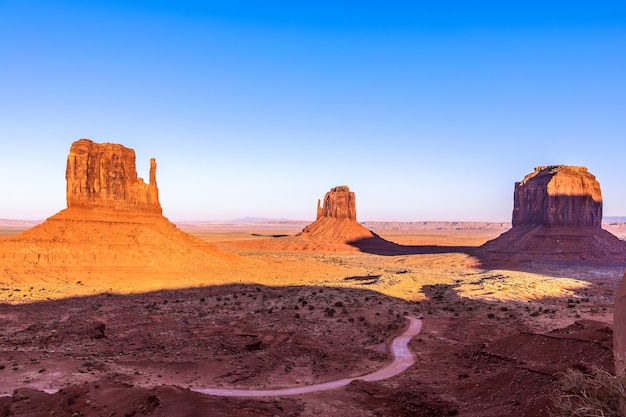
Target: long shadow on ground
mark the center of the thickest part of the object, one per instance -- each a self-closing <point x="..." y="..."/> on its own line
<point x="137" y="353"/>
<point x="379" y="246"/>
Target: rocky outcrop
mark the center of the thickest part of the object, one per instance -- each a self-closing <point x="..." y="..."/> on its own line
<point x="339" y="203"/>
<point x="558" y="195"/>
<point x="336" y="219"/>
<point x="334" y="230"/>
<point x="105" y="175"/>
<point x="619" y="328"/>
<point x="112" y="230"/>
<point x="557" y="215"/>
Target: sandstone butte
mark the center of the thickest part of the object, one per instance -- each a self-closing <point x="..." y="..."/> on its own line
<point x="334" y="230"/>
<point x="336" y="219"/>
<point x="112" y="229"/>
<point x="104" y="175"/>
<point x="557" y="215"/>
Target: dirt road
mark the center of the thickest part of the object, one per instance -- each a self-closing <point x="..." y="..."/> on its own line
<point x="403" y="358"/>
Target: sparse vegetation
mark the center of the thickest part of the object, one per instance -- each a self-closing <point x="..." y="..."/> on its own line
<point x="595" y="394"/>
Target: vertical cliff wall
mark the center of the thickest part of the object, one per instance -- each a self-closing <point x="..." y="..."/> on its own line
<point x="558" y="195"/>
<point x="105" y="175"/>
<point x="339" y="203"/>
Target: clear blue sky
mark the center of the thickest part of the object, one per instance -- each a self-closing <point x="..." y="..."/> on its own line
<point x="428" y="110"/>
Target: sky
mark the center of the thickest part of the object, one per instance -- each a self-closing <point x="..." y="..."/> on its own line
<point x="427" y="110"/>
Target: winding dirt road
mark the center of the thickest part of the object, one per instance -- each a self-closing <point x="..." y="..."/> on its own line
<point x="403" y="358"/>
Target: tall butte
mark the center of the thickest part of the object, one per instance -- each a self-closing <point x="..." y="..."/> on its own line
<point x="112" y="231"/>
<point x="336" y="219"/>
<point x="557" y="216"/>
<point x="104" y="175"/>
<point x="334" y="230"/>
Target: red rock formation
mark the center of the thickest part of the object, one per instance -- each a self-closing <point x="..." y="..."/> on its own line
<point x="336" y="220"/>
<point x="557" y="216"/>
<point x="334" y="230"/>
<point x="105" y="175"/>
<point x="339" y="203"/>
<point x="113" y="228"/>
<point x="619" y="328"/>
<point x="558" y="195"/>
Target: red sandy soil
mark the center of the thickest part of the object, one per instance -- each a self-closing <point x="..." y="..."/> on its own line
<point x="493" y="340"/>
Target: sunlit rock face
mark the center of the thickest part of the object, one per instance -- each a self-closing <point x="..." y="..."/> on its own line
<point x="619" y="328"/>
<point x="105" y="175"/>
<point x="113" y="229"/>
<point x="339" y="203"/>
<point x="558" y="195"/>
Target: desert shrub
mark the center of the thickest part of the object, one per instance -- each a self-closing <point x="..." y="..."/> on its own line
<point x="595" y="394"/>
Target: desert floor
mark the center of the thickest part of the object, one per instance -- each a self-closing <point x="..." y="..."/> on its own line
<point x="493" y="341"/>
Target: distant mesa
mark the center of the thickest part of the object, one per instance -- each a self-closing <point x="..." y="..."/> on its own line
<point x="335" y="229"/>
<point x="557" y="216"/>
<point x="336" y="220"/>
<point x="112" y="228"/>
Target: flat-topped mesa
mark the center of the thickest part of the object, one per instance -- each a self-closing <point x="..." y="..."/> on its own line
<point x="105" y="175"/>
<point x="339" y="203"/>
<point x="557" y="216"/>
<point x="558" y="195"/>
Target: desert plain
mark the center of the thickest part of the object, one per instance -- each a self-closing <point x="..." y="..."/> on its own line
<point x="128" y="341"/>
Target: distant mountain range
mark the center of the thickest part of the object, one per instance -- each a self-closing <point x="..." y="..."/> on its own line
<point x="614" y="219"/>
<point x="24" y="224"/>
<point x="10" y="223"/>
<point x="258" y="220"/>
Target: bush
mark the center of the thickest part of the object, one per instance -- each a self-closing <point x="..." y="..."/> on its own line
<point x="594" y="394"/>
